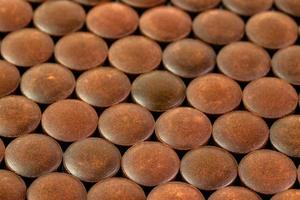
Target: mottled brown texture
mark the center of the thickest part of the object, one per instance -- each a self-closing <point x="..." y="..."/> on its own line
<point x="81" y="51"/>
<point x="14" y="15"/>
<point x="116" y="189"/>
<point x="112" y="20"/>
<point x="208" y="168"/>
<point x="272" y="30"/>
<point x="92" y="159"/>
<point x="183" y="128"/>
<point x="248" y="8"/>
<point x="196" y="5"/>
<point x="189" y="58"/>
<point x="12" y="187"/>
<point x="286" y="64"/>
<point x="47" y="83"/>
<point x="270" y="97"/>
<point x="103" y="87"/>
<point x="59" y="17"/>
<point x="135" y="54"/>
<point x="165" y="23"/>
<point x="234" y="193"/>
<point x="56" y="186"/>
<point x="214" y="93"/>
<point x="69" y="120"/>
<point x="291" y="194"/>
<point x="18" y="116"/>
<point x="243" y="61"/>
<point x="144" y="3"/>
<point x="218" y="27"/>
<point x="267" y="171"/>
<point x="158" y="90"/>
<point x="33" y="155"/>
<point x="291" y="7"/>
<point x="9" y="78"/>
<point x="285" y="135"/>
<point x="240" y="132"/>
<point x="175" y="191"/>
<point x="126" y="124"/>
<point x="150" y="163"/>
<point x="27" y="47"/>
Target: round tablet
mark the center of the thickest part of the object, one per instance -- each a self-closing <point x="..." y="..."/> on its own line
<point x="208" y="168"/>
<point x="243" y="61"/>
<point x="33" y="155"/>
<point x="286" y="64"/>
<point x="150" y="163"/>
<point x="189" y="58"/>
<point x="183" y="128"/>
<point x="165" y="23"/>
<point x="2" y="150"/>
<point x="56" y="186"/>
<point x="69" y="120"/>
<point x="292" y="194"/>
<point x="27" y="47"/>
<point x="196" y="5"/>
<point x="218" y="27"/>
<point x="59" y="17"/>
<point x="234" y="193"/>
<point x="9" y="78"/>
<point x="267" y="172"/>
<point x="158" y="90"/>
<point x="135" y="54"/>
<point x="270" y="97"/>
<point x="91" y="2"/>
<point x="112" y="20"/>
<point x="92" y="159"/>
<point x="291" y="7"/>
<point x="12" y="187"/>
<point x="126" y="124"/>
<point x="214" y="94"/>
<point x="248" y="8"/>
<point x="240" y="132"/>
<point x="81" y="51"/>
<point x="272" y="30"/>
<point x="116" y="189"/>
<point x="47" y="83"/>
<point x="14" y="15"/>
<point x="18" y="116"/>
<point x="144" y="3"/>
<point x="175" y="190"/>
<point x="285" y="135"/>
<point x="103" y="87"/>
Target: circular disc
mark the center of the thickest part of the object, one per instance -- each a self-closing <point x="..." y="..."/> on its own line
<point x="267" y="172"/>
<point x="81" y="51"/>
<point x="150" y="163"/>
<point x="126" y="124"/>
<point x="47" y="83"/>
<point x="116" y="189"/>
<point x="33" y="155"/>
<point x="27" y="47"/>
<point x="158" y="90"/>
<point x="92" y="159"/>
<point x="165" y="23"/>
<point x="69" y="120"/>
<point x="112" y="20"/>
<point x="9" y="78"/>
<point x="18" y="116"/>
<point x="272" y="30"/>
<point x="270" y="97"/>
<point x="59" y="17"/>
